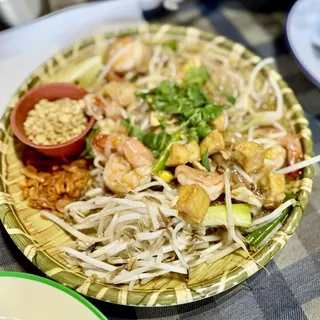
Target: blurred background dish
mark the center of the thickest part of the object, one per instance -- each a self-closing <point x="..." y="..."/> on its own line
<point x="49" y="36"/>
<point x="17" y="12"/>
<point x="302" y="29"/>
<point x="27" y="297"/>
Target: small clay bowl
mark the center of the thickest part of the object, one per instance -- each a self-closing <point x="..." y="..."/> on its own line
<point x="51" y="92"/>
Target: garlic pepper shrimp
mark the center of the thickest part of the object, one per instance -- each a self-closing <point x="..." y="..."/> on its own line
<point x="132" y="55"/>
<point x="121" y="177"/>
<point x="122" y="93"/>
<point x="129" y="162"/>
<point x="212" y="182"/>
<point x="292" y="144"/>
<point x="101" y="108"/>
<point x="111" y="101"/>
<point x="131" y="148"/>
<point x="289" y="149"/>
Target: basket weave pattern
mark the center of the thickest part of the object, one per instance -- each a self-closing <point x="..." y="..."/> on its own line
<point x="37" y="238"/>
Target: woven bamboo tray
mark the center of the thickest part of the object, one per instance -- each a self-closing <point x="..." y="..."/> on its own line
<point x="38" y="238"/>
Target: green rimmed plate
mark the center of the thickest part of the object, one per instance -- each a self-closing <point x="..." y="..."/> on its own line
<point x="38" y="238"/>
<point x="27" y="297"/>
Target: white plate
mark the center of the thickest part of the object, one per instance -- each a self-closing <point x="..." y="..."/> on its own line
<point x="300" y="28"/>
<point x="27" y="297"/>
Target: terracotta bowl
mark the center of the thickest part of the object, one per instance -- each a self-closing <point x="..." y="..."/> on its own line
<point x="51" y="92"/>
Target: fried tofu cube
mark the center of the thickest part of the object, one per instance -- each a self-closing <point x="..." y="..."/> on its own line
<point x="274" y="187"/>
<point x="249" y="155"/>
<point x="219" y="122"/>
<point x="276" y="184"/>
<point x="194" y="151"/>
<point x="193" y="203"/>
<point x="212" y="143"/>
<point x="178" y="155"/>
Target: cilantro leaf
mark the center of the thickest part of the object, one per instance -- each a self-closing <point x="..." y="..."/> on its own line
<point x="192" y="134"/>
<point x="206" y="161"/>
<point x="203" y="129"/>
<point x="211" y="111"/>
<point x="87" y="152"/>
<point x="197" y="75"/>
<point x="143" y="93"/>
<point x="127" y="124"/>
<point x="187" y="101"/>
<point x="163" y="124"/>
<point x="229" y="97"/>
<point x="133" y="131"/>
<point x="156" y="142"/>
<point x="195" y="94"/>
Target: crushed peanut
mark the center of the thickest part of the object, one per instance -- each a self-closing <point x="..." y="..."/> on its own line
<point x="55" y="188"/>
<point x="55" y="122"/>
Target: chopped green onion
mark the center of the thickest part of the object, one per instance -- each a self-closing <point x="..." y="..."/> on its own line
<point x="156" y="142"/>
<point x="230" y="98"/>
<point x="161" y="163"/>
<point x="173" y="45"/>
<point x="217" y="215"/>
<point x="257" y="237"/>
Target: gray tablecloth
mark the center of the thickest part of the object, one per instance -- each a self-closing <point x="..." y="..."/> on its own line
<point x="291" y="287"/>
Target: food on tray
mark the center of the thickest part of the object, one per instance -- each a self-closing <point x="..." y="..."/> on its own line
<point x="191" y="159"/>
<point x="57" y="186"/>
<point x="55" y="122"/>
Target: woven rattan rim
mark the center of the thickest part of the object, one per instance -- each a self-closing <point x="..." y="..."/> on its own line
<point x="159" y="295"/>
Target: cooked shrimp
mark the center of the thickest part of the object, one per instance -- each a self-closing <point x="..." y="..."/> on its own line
<point x="132" y="149"/>
<point x="112" y="110"/>
<point x="111" y="126"/>
<point x="138" y="154"/>
<point x="121" y="177"/>
<point x="100" y="108"/>
<point x="129" y="162"/>
<point x="121" y="92"/>
<point x="212" y="182"/>
<point x="113" y="76"/>
<point x="292" y="144"/>
<point x="133" y="55"/>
